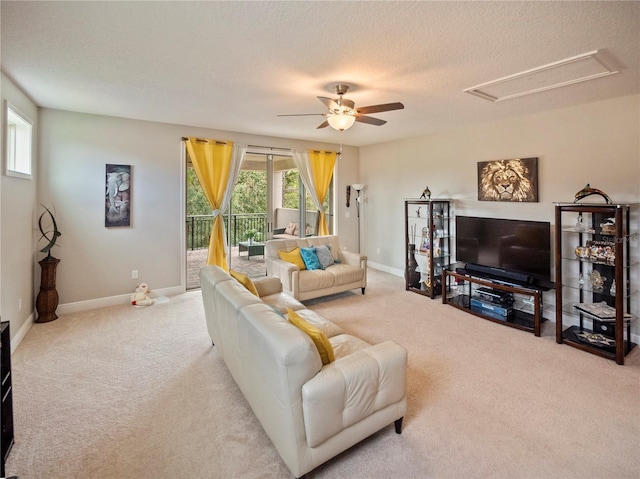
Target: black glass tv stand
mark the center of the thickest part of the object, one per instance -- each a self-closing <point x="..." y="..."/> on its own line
<point x="494" y="299"/>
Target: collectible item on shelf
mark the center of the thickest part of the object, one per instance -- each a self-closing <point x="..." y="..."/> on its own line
<point x="588" y="191"/>
<point x="597" y="281"/>
<point x="413" y="275"/>
<point x="426" y="194"/>
<point x="425" y="243"/>
<point x="594" y="339"/>
<point x="609" y="227"/>
<point x="598" y="251"/>
<point x="601" y="310"/>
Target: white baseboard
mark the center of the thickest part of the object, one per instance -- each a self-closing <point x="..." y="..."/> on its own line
<point x="22" y="332"/>
<point x="112" y="300"/>
<point x="385" y="268"/>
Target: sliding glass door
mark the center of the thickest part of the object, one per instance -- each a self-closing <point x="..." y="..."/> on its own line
<point x="268" y="198"/>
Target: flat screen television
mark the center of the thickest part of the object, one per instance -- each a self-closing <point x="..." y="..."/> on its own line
<point x="506" y="249"/>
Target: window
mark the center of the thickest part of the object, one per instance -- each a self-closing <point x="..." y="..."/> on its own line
<point x="18" y="143"/>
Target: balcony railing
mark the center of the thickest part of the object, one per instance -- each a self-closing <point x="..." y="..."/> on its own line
<point x="199" y="228"/>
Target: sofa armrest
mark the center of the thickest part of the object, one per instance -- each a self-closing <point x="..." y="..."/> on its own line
<point x="267" y="285"/>
<point x="283" y="270"/>
<point x="352" y="388"/>
<point x="355" y="259"/>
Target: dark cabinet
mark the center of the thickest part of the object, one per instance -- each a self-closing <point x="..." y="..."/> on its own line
<point x="594" y="274"/>
<point x="6" y="404"/>
<point x="427" y="244"/>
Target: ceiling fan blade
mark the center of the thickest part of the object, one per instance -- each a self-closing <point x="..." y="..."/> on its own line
<point x="380" y="108"/>
<point x="370" y="120"/>
<point x="329" y="103"/>
<point x="324" y="124"/>
<point x="305" y="114"/>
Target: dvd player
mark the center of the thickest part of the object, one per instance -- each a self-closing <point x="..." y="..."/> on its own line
<point x="495" y="296"/>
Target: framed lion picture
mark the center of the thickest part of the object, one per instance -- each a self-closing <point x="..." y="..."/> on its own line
<point x="508" y="180"/>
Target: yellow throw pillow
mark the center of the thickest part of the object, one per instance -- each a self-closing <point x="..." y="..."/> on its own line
<point x="245" y="281"/>
<point x="294" y="257"/>
<point x="318" y="337"/>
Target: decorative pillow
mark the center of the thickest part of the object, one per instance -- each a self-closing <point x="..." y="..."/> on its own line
<point x="324" y="255"/>
<point x="245" y="281"/>
<point x="318" y="337"/>
<point x="310" y="258"/>
<point x="276" y="310"/>
<point x="290" y="228"/>
<point x="296" y="230"/>
<point x="294" y="257"/>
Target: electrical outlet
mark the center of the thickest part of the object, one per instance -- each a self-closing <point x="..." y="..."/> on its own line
<point x="134" y="274"/>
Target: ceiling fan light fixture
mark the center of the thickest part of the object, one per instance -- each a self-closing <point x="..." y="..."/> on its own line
<point x="341" y="121"/>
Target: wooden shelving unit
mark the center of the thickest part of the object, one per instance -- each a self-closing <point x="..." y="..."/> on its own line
<point x="525" y="310"/>
<point x="594" y="271"/>
<point x="428" y="242"/>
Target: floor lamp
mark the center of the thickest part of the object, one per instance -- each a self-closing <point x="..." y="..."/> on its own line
<point x="358" y="187"/>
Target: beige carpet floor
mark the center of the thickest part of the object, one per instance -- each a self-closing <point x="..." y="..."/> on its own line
<point x="141" y="393"/>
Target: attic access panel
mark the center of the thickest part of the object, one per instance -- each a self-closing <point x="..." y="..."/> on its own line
<point x="587" y="66"/>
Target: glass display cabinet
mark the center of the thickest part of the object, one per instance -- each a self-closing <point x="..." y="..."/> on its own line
<point x="427" y="244"/>
<point x="596" y="264"/>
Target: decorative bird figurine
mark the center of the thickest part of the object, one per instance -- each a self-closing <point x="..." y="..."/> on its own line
<point x="426" y="194"/>
<point x="588" y="191"/>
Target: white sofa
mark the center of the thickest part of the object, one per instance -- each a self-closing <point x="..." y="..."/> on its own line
<point x="349" y="273"/>
<point x="310" y="412"/>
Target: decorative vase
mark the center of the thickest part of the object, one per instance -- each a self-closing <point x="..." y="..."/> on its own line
<point x="47" y="300"/>
<point x="413" y="276"/>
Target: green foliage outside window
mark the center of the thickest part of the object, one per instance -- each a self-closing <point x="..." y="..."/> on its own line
<point x="249" y="197"/>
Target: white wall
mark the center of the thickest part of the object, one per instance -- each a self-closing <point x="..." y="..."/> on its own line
<point x="18" y="208"/>
<point x="96" y="262"/>
<point x="596" y="143"/>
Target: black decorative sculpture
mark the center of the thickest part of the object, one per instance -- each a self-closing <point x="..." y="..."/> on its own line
<point x="47" y="299"/>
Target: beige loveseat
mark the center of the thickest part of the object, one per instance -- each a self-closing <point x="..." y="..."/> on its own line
<point x="310" y="412"/>
<point x="349" y="271"/>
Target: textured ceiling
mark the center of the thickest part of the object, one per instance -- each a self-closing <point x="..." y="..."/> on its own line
<point x="236" y="65"/>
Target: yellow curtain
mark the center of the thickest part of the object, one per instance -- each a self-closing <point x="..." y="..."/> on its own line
<point x="212" y="162"/>
<point x="321" y="164"/>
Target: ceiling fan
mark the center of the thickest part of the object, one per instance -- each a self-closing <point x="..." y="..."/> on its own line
<point x="343" y="112"/>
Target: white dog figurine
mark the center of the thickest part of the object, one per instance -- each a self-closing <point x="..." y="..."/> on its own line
<point x="140" y="298"/>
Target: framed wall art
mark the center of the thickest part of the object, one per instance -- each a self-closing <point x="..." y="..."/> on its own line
<point x="117" y="206"/>
<point x="508" y="180"/>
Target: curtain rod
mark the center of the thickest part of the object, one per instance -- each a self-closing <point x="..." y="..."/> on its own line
<point x="201" y="140"/>
<point x="184" y="138"/>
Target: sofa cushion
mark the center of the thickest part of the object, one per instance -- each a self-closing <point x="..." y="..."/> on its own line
<point x="323" y="252"/>
<point x="310" y="258"/>
<point x="345" y="273"/>
<point x="319" y="339"/>
<point x="316" y="280"/>
<point x="327" y="327"/>
<point x="245" y="281"/>
<point x="344" y="344"/>
<point x="294" y="257"/>
<point x="282" y="302"/>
